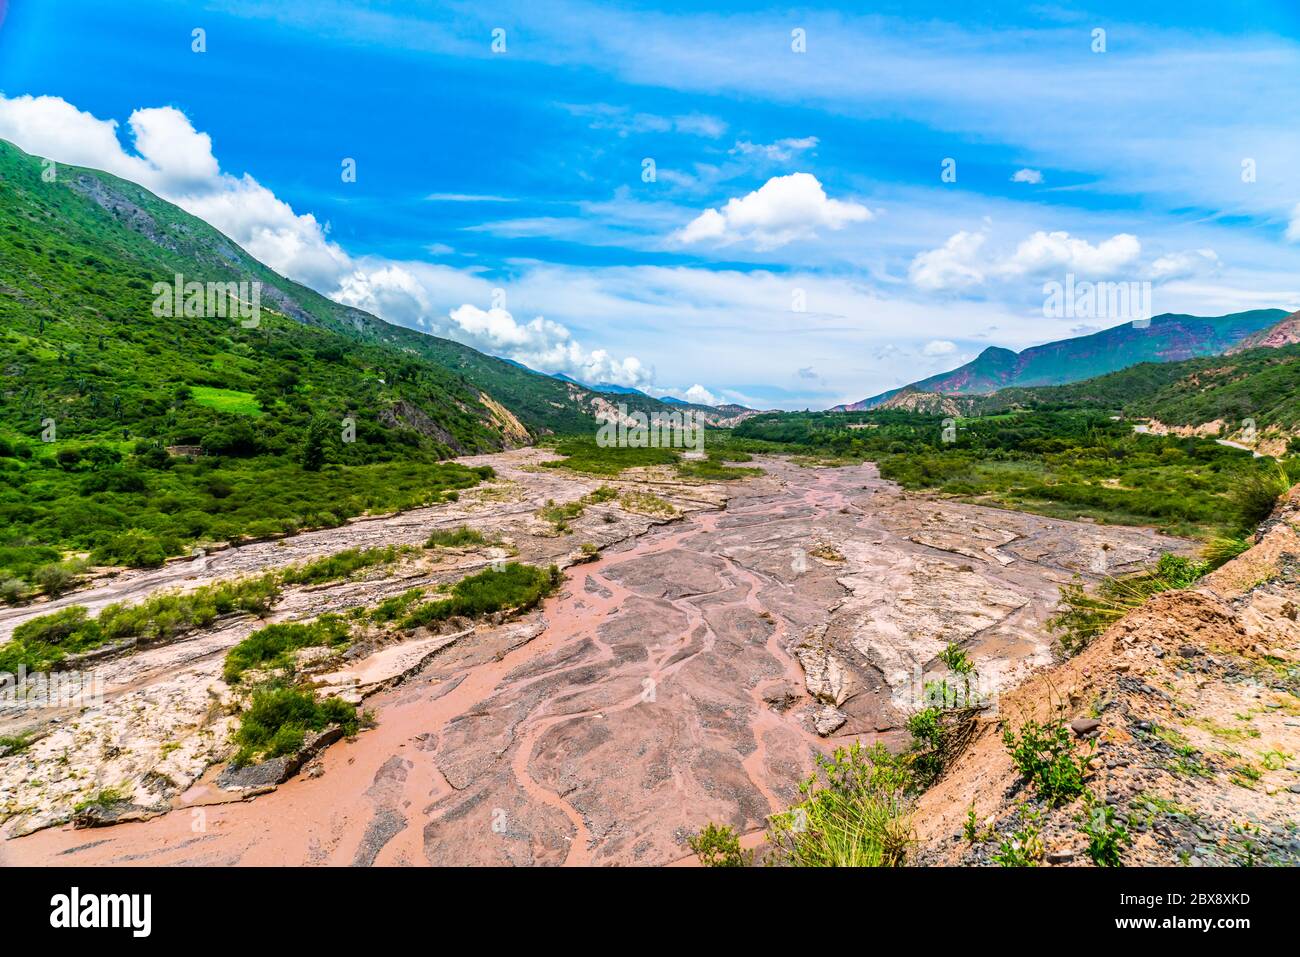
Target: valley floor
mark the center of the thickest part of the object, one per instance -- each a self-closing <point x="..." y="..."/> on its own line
<point x="689" y="672"/>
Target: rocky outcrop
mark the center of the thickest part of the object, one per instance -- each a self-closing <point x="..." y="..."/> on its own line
<point x="264" y="775"/>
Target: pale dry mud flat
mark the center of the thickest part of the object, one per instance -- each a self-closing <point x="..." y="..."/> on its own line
<point x="155" y="720"/>
<point x="690" y="673"/>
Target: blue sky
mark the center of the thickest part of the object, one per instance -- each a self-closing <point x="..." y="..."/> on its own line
<point x="797" y="245"/>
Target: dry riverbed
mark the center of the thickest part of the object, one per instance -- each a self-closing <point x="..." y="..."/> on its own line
<point x="688" y="672"/>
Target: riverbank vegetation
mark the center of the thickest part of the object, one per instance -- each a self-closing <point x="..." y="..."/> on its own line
<point x="1062" y="463"/>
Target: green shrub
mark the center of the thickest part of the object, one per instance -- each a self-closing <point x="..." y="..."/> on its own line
<point x="514" y="586"/>
<point x="12" y="591"/>
<point x="1085" y="615"/>
<point x="40" y="642"/>
<point x="1255" y="492"/>
<point x="134" y="548"/>
<point x="973" y="831"/>
<point x="712" y="470"/>
<point x="853" y="813"/>
<point x="1105" y="833"/>
<point x="15" y="744"/>
<point x="104" y="797"/>
<point x="719" y="846"/>
<point x="1223" y="549"/>
<point x="606" y="493"/>
<point x="455" y="538"/>
<point x="274" y="645"/>
<point x="1024" y="848"/>
<point x="278" y="718"/>
<point x="396" y="607"/>
<point x="1045" y="755"/>
<point x="560" y="515"/>
<point x="342" y="564"/>
<point x="584" y="455"/>
<point x="56" y="578"/>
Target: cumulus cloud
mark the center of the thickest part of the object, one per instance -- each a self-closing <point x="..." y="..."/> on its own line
<point x="1184" y="265"/>
<point x="782" y="210"/>
<point x="1027" y="176"/>
<point x="176" y="161"/>
<point x="1059" y="251"/>
<point x="700" y="395"/>
<point x="540" y="344"/>
<point x="939" y="347"/>
<point x="411" y="294"/>
<point x="954" y="265"/>
<point x="963" y="262"/>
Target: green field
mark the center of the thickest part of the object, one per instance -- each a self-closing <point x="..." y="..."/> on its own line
<point x="230" y="401"/>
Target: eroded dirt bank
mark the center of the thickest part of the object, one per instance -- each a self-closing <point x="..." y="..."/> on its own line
<point x="690" y="673"/>
<point x="1191" y="703"/>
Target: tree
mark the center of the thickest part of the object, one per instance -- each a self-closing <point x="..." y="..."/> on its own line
<point x="313" y="449"/>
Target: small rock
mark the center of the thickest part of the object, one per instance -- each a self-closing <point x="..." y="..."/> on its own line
<point x="1060" y="857"/>
<point x="828" y="720"/>
<point x="1084" y="726"/>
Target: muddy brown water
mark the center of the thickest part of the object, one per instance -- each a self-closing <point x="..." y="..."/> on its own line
<point x="662" y="694"/>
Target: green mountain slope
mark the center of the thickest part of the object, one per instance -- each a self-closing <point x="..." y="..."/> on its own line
<point x="316" y="413"/>
<point x="1261" y="384"/>
<point x="1168" y="338"/>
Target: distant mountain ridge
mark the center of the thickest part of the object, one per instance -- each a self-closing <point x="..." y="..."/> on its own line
<point x="723" y="415"/>
<point x="1168" y="338"/>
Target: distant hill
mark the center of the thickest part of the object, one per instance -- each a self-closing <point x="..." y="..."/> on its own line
<point x="1284" y="333"/>
<point x="1168" y="338"/>
<point x="1261" y="385"/>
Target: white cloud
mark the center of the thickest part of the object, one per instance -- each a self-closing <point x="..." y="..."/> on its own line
<point x="1184" y="265"/>
<point x="954" y="265"/>
<point x="1059" y="251"/>
<point x="782" y="151"/>
<point x="939" y="347"/>
<point x="606" y="116"/>
<point x="1293" y="230"/>
<point x="700" y="124"/>
<point x="1027" y="176"/>
<point x="783" y="209"/>
<point x="414" y="294"/>
<point x="541" y="344"/>
<point x="175" y="161"/>
<point x="962" y="262"/>
<point x="700" y="395"/>
<point x="467" y="198"/>
<point x="392" y="292"/>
